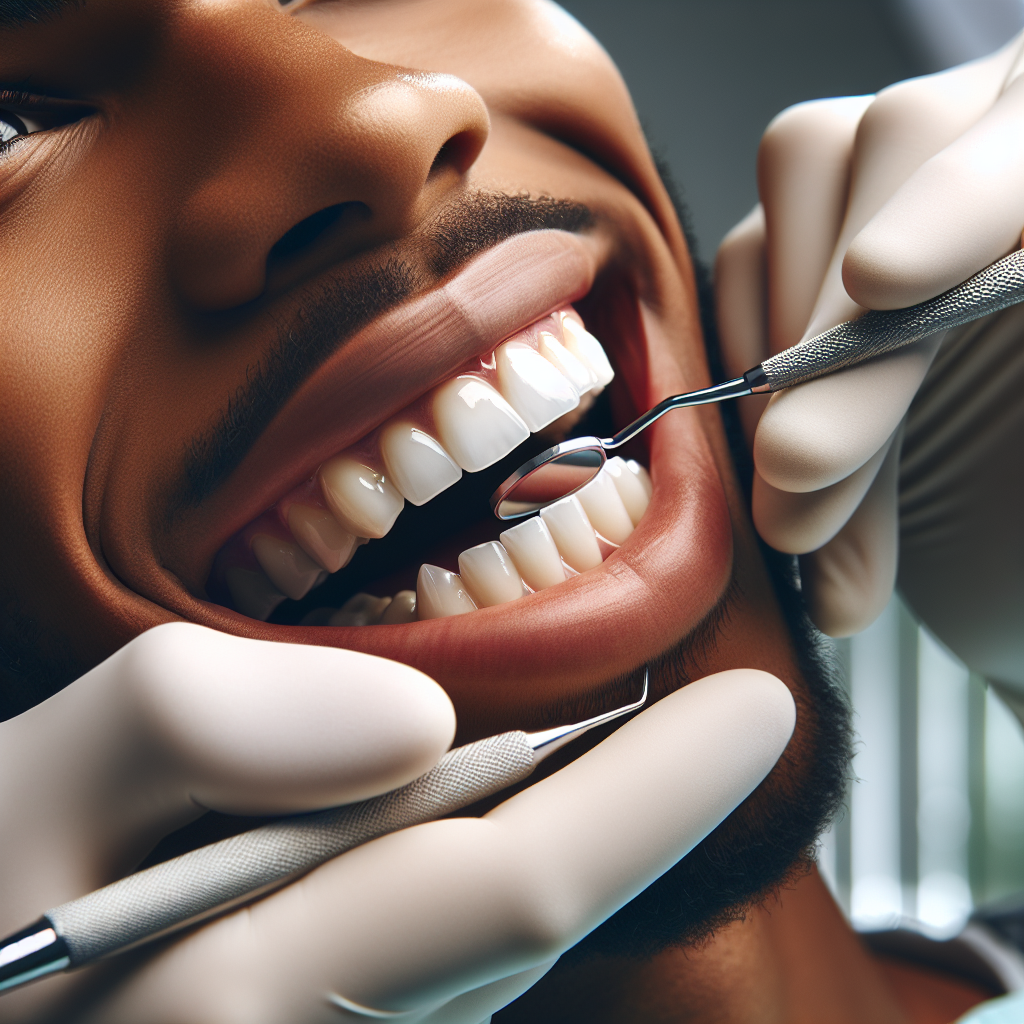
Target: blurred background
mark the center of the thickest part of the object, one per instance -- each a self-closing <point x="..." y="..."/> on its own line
<point x="934" y="823"/>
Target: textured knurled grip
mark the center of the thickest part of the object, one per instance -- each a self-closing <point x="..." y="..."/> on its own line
<point x="878" y="332"/>
<point x="193" y="885"/>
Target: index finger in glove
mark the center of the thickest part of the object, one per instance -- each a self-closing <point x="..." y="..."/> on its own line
<point x="960" y="211"/>
<point x="413" y="920"/>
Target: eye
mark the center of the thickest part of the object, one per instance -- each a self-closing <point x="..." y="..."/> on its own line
<point x="23" y="114"/>
<point x="12" y="126"/>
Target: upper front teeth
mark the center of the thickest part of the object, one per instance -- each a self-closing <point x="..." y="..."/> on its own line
<point x="420" y="468"/>
<point x="581" y="375"/>
<point x="534" y="386"/>
<point x="290" y="569"/>
<point x="322" y="537"/>
<point x="476" y="424"/>
<point x="582" y="344"/>
<point x="467" y="423"/>
<point x="364" y="501"/>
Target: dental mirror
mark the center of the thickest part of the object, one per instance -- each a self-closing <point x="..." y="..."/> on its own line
<point x="565" y="468"/>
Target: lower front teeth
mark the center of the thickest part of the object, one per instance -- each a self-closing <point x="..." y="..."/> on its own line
<point x="573" y="534"/>
<point x="534" y="553"/>
<point x="605" y="509"/>
<point x="440" y="593"/>
<point x="489" y="575"/>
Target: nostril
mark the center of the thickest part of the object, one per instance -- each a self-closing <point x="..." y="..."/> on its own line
<point x="457" y="153"/>
<point x="306" y="232"/>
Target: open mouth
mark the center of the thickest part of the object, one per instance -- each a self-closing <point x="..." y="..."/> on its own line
<point x="555" y="612"/>
<point x="329" y="552"/>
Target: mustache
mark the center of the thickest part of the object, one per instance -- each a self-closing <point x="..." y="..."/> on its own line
<point x="343" y="307"/>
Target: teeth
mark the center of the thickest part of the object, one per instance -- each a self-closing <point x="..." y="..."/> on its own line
<point x="466" y="424"/>
<point x="585" y="347"/>
<point x="533" y="551"/>
<point x="420" y="468"/>
<point x="289" y="568"/>
<point x="633" y="484"/>
<point x="573" y="534"/>
<point x="401" y="609"/>
<point x="477" y="426"/>
<point x="533" y="386"/>
<point x="360" y="610"/>
<point x="582" y="377"/>
<point x="605" y="509"/>
<point x="322" y="537"/>
<point x="252" y="593"/>
<point x="440" y="593"/>
<point x="489" y="575"/>
<point x="362" y="500"/>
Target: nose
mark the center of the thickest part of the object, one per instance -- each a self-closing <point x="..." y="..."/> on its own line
<point x="309" y="152"/>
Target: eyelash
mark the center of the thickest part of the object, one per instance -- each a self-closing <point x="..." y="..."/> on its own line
<point x="15" y="103"/>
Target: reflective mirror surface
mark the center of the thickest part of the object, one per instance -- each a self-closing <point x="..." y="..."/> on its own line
<point x="546" y="483"/>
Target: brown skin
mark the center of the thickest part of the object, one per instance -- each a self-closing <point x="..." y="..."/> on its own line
<point x="140" y="289"/>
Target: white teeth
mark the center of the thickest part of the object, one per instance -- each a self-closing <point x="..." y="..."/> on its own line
<point x="605" y="509"/>
<point x="489" y="575"/>
<point x="582" y="377"/>
<point x="419" y="467"/>
<point x="401" y="609"/>
<point x="363" y="500"/>
<point x="440" y="593"/>
<point x="322" y="537"/>
<point x="573" y="534"/>
<point x="642" y="475"/>
<point x="477" y="426"/>
<point x="585" y="347"/>
<point x="289" y="568"/>
<point x="360" y="610"/>
<point x="533" y="551"/>
<point x="633" y="485"/>
<point x="533" y="386"/>
<point x="252" y="593"/>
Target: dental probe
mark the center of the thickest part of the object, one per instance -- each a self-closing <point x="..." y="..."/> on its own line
<point x="568" y="466"/>
<point x="202" y="883"/>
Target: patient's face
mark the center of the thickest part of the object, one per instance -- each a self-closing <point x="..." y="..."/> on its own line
<point x="228" y="358"/>
<point x="288" y="290"/>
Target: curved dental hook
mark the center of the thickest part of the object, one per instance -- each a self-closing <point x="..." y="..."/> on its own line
<point x="549" y="740"/>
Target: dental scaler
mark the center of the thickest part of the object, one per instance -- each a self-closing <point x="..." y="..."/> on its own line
<point x="565" y="468"/>
<point x="203" y="883"/>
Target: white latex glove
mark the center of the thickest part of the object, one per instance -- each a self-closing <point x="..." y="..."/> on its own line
<point x="882" y="202"/>
<point x="448" y="921"/>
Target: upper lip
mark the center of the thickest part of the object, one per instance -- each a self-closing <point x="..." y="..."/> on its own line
<point x="388" y="364"/>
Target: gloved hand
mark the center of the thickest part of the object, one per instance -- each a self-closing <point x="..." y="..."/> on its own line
<point x="446" y="921"/>
<point x="882" y="202"/>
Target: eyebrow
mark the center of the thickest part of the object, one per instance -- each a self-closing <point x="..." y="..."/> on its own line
<point x="18" y="13"/>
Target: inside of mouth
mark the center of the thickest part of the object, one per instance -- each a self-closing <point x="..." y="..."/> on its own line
<point x="412" y="572"/>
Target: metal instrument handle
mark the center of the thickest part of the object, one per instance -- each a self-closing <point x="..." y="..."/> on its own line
<point x="878" y="332"/>
<point x="203" y="882"/>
